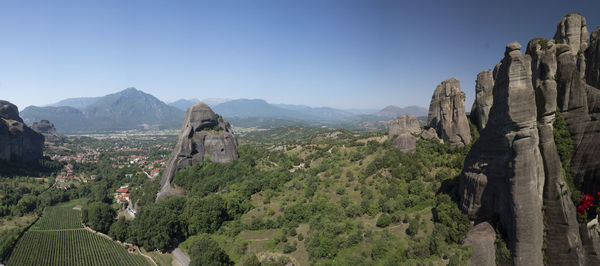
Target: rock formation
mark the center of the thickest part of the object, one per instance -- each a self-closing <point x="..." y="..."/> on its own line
<point x="572" y="30"/>
<point x="47" y="129"/>
<point x="516" y="155"/>
<point x="401" y="133"/>
<point x="482" y="238"/>
<point x="429" y="134"/>
<point x="447" y="113"/>
<point x="483" y="99"/>
<point x="563" y="244"/>
<point x="16" y="138"/>
<point x="503" y="174"/>
<point x="203" y="134"/>
<point x="592" y="56"/>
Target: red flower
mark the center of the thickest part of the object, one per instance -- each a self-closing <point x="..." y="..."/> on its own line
<point x="585" y="202"/>
<point x="580" y="209"/>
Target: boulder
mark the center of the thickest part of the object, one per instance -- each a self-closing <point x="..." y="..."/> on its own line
<point x="405" y="143"/>
<point x="47" y="129"/>
<point x="482" y="239"/>
<point x="430" y="134"/>
<point x="503" y="174"/>
<point x="16" y="138"/>
<point x="204" y="135"/>
<point x="483" y="99"/>
<point x="572" y="31"/>
<point x="447" y="113"/>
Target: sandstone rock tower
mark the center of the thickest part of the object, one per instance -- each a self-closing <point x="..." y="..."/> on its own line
<point x="447" y="113"/>
<point x="203" y="134"/>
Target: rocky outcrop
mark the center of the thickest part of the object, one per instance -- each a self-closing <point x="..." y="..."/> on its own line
<point x="592" y="56"/>
<point x="402" y="132"/>
<point x="16" y="138"/>
<point x="447" y="113"/>
<point x="563" y="244"/>
<point x="503" y="175"/>
<point x="204" y="135"/>
<point x="482" y="239"/>
<point x="483" y="99"/>
<point x="516" y="154"/>
<point x="572" y="30"/>
<point x="429" y="134"/>
<point x="404" y="124"/>
<point x="47" y="129"/>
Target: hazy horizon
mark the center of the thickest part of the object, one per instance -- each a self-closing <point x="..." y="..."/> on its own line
<point x="340" y="54"/>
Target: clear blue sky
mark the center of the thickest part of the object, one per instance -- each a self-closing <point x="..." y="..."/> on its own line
<point x="344" y="54"/>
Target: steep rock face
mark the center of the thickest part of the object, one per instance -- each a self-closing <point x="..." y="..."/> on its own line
<point x="47" y="129"/>
<point x="482" y="239"/>
<point x="572" y="98"/>
<point x="572" y="30"/>
<point x="401" y="132"/>
<point x="483" y="99"/>
<point x="203" y="134"/>
<point x="404" y="124"/>
<point x="592" y="55"/>
<point x="16" y="138"/>
<point x="447" y="113"/>
<point x="563" y="244"/>
<point x="503" y="174"/>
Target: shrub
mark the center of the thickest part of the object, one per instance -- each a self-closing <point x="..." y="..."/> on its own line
<point x="384" y="220"/>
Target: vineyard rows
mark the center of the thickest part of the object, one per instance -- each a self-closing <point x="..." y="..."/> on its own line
<point x="75" y="247"/>
<point x="58" y="238"/>
<point x="58" y="217"/>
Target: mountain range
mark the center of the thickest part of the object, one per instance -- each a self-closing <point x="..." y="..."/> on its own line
<point x="128" y="109"/>
<point x="134" y="109"/>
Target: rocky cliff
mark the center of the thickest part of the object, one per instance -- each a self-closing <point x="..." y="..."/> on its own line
<point x="447" y="113"/>
<point x="401" y="132"/>
<point x="47" y="129"/>
<point x="204" y="134"/>
<point x="16" y="138"/>
<point x="514" y="167"/>
<point x="503" y="174"/>
<point x="483" y="99"/>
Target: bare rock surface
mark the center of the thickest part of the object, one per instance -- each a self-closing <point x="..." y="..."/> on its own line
<point x="482" y="239"/>
<point x="503" y="174"/>
<point x="203" y="135"/>
<point x="592" y="55"/>
<point x="572" y="30"/>
<point x="563" y="243"/>
<point x="47" y="129"/>
<point x="429" y="134"/>
<point x="447" y="113"/>
<point x="404" y="124"/>
<point x="402" y="132"/>
<point x="484" y="98"/>
<point x="16" y="138"/>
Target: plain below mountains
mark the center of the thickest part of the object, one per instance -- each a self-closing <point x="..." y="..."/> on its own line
<point x="134" y="109"/>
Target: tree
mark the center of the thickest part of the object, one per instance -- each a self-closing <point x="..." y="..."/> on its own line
<point x="384" y="220"/>
<point x="157" y="225"/>
<point x="205" y="251"/>
<point x="99" y="216"/>
<point x="119" y="230"/>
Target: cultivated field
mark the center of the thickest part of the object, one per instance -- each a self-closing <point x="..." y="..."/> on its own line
<point x="58" y="238"/>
